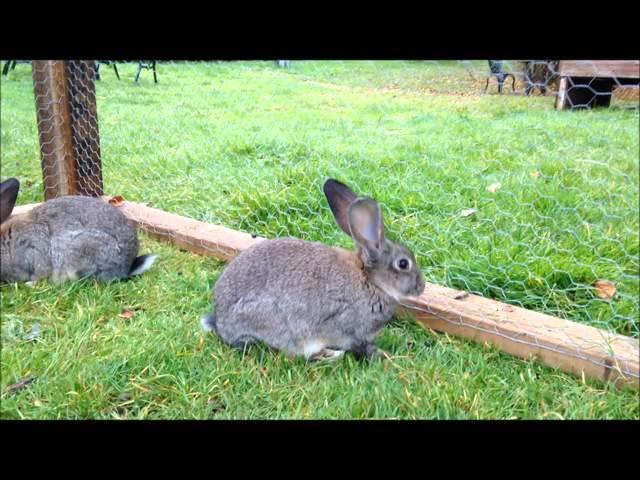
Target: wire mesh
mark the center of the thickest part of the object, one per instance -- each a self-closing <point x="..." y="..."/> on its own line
<point x="496" y="191"/>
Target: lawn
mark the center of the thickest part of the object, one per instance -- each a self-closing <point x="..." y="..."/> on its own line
<point x="248" y="145"/>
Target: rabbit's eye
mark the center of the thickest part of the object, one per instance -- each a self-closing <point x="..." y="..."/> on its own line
<point x="403" y="264"/>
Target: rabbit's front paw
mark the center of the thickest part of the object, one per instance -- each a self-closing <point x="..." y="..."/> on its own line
<point x="369" y="351"/>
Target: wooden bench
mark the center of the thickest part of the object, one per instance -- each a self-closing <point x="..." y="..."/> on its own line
<point x="589" y="83"/>
<point x="12" y="64"/>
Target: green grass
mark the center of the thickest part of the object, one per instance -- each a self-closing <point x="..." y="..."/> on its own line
<point x="92" y="363"/>
<point x="248" y="145"/>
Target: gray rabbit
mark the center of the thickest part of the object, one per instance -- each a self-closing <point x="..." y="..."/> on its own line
<point x="66" y="238"/>
<point x="313" y="300"/>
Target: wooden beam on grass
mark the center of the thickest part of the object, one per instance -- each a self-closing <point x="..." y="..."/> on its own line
<point x="569" y="346"/>
<point x="192" y="235"/>
<point x="572" y="347"/>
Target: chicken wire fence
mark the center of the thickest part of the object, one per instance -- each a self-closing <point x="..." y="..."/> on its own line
<point x="495" y="190"/>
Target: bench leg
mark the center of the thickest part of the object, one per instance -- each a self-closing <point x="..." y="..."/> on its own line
<point x="561" y="99"/>
<point x="138" y="73"/>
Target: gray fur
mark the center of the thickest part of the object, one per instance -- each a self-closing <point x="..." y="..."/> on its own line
<point x="339" y="197"/>
<point x="313" y="300"/>
<point x="68" y="238"/>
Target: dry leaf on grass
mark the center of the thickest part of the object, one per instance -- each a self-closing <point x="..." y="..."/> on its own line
<point x="536" y="173"/>
<point x="468" y="211"/>
<point x="16" y="387"/>
<point x="216" y="405"/>
<point x="125" y="398"/>
<point x="494" y="187"/>
<point x="34" y="333"/>
<point x="605" y="289"/>
<point x="116" y="201"/>
<point x="127" y="314"/>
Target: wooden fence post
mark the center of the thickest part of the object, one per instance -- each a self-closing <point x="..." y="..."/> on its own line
<point x="68" y="127"/>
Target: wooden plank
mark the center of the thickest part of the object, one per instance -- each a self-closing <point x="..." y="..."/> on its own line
<point x="81" y="91"/>
<point x="54" y="128"/>
<point x="600" y="68"/>
<point x="627" y="93"/>
<point x="192" y="235"/>
<point x="569" y="346"/>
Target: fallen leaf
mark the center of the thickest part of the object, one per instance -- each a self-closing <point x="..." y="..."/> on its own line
<point x="605" y="289"/>
<point x="494" y="187"/>
<point x="127" y="314"/>
<point x="536" y="173"/>
<point x="116" y="201"/>
<point x="16" y="387"/>
<point x="125" y="398"/>
<point x="216" y="405"/>
<point x="34" y="333"/>
<point x="467" y="212"/>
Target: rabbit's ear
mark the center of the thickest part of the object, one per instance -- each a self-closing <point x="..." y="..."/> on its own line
<point x="8" y="196"/>
<point x="367" y="227"/>
<point x="340" y="198"/>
